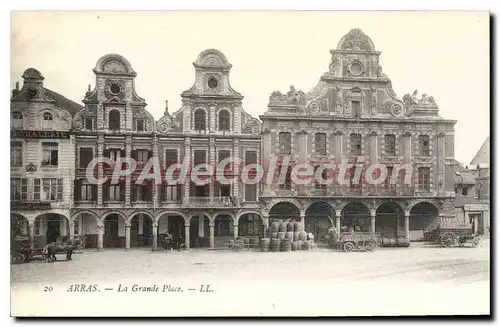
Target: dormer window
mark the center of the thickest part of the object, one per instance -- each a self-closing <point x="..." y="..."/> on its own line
<point x="224" y="120"/>
<point x="88" y="123"/>
<point x="199" y="120"/>
<point x="47" y="122"/>
<point x="17" y="120"/>
<point x="140" y="125"/>
<point x="114" y="120"/>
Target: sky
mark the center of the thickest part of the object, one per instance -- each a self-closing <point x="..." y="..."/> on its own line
<point x="442" y="54"/>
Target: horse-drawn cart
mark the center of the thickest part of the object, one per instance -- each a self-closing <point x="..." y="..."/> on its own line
<point x="450" y="232"/>
<point x="349" y="241"/>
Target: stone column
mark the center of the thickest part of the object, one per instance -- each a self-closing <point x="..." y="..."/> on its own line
<point x="186" y="234"/>
<point x="71" y="229"/>
<point x="127" y="236"/>
<point x="303" y="219"/>
<point x="128" y="149"/>
<point x="407" y="225"/>
<point x="266" y="156"/>
<point x="397" y="226"/>
<point x="374" y="147"/>
<point x="100" y="172"/>
<point x="407" y="151"/>
<point x="187" y="164"/>
<point x="100" y="236"/>
<point x="155" y="186"/>
<point x="155" y="237"/>
<point x="338" y="213"/>
<point x="338" y="145"/>
<point x="211" y="162"/>
<point x="440" y="163"/>
<point x="236" y="184"/>
<point x="235" y="232"/>
<point x="265" y="224"/>
<point x="373" y="214"/>
<point x="212" y="235"/>
<point x="31" y="233"/>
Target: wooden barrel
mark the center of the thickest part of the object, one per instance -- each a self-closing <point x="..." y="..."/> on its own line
<point x="296" y="235"/>
<point x="275" y="226"/>
<point x="295" y="245"/>
<point x="289" y="236"/>
<point x="253" y="240"/>
<point x="265" y="244"/>
<point x="275" y="244"/>
<point x="281" y="235"/>
<point x="274" y="235"/>
<point x="392" y="242"/>
<point x="286" y="245"/>
<point x="307" y="245"/>
<point x="297" y="226"/>
<point x="300" y="245"/>
<point x="282" y="227"/>
<point x="289" y="227"/>
<point x="403" y="242"/>
<point x="303" y="236"/>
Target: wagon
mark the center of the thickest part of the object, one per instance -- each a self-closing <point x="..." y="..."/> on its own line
<point x="349" y="241"/>
<point x="451" y="232"/>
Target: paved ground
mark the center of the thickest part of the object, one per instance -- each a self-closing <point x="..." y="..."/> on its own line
<point x="416" y="280"/>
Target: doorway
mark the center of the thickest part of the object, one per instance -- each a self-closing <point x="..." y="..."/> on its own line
<point x="111" y="239"/>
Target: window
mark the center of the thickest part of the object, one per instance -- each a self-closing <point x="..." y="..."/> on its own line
<point x="251" y="192"/>
<point x="223" y="154"/>
<point x="390" y="144"/>
<point x="285" y="140"/>
<point x="356" y="108"/>
<point x="48" y="189"/>
<point x="199" y="157"/>
<point x="16" y="153"/>
<point x="19" y="189"/>
<point x="170" y="157"/>
<point x="172" y="192"/>
<point x="142" y="155"/>
<point x="76" y="226"/>
<point x="50" y="154"/>
<point x="424" y="178"/>
<point x="423" y="145"/>
<point x="199" y="120"/>
<point x="287" y="185"/>
<point x="17" y="120"/>
<point x="320" y="143"/>
<point x="465" y="191"/>
<point x="88" y="123"/>
<point x="356" y="144"/>
<point x="86" y="193"/>
<point x="140" y="125"/>
<point x="86" y="156"/>
<point x="114" y="120"/>
<point x="37" y="226"/>
<point x="319" y="184"/>
<point x="114" y="192"/>
<point x="47" y="121"/>
<point x="141" y="192"/>
<point x="114" y="154"/>
<point x="224" y="120"/>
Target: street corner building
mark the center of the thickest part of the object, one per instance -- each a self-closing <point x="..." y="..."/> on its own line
<point x="351" y="113"/>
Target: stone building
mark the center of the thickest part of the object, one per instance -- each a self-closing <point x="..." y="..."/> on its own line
<point x="42" y="159"/>
<point x="210" y="126"/>
<point x="354" y="114"/>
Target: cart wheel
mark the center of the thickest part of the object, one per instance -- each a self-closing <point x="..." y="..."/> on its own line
<point x="475" y="242"/>
<point x="348" y="246"/>
<point x="449" y="239"/>
<point x="370" y="245"/>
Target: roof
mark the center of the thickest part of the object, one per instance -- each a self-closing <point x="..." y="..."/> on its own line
<point x="64" y="102"/>
<point x="483" y="155"/>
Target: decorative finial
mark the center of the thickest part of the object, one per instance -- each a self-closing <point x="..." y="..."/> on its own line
<point x="17" y="86"/>
<point x="89" y="88"/>
<point x="166" y="107"/>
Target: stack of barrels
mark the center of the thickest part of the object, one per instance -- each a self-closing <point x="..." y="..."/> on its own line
<point x="388" y="242"/>
<point x="286" y="236"/>
<point x="403" y="242"/>
<point x="400" y="241"/>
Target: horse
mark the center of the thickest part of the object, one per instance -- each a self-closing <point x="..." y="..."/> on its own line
<point x="172" y="242"/>
<point x="68" y="246"/>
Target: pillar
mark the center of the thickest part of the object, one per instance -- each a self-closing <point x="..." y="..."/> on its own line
<point x="100" y="172"/>
<point x="31" y="233"/>
<point x="337" y="219"/>
<point x="373" y="214"/>
<point x="155" y="236"/>
<point x="235" y="231"/>
<point x="397" y="226"/>
<point x="440" y="163"/>
<point x="407" y="148"/>
<point x="303" y="220"/>
<point x="407" y="225"/>
<point x="186" y="234"/>
<point x="374" y="147"/>
<point x="212" y="235"/>
<point x="128" y="149"/>
<point x="265" y="224"/>
<point x="237" y="166"/>
<point x="266" y="155"/>
<point x="100" y="236"/>
<point x="211" y="162"/>
<point x="187" y="163"/>
<point x="127" y="236"/>
<point x="71" y="229"/>
<point x="155" y="185"/>
<point x="338" y="145"/>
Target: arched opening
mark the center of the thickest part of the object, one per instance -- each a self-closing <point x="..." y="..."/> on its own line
<point x="114" y="231"/>
<point x="114" y="120"/>
<point x="47" y="121"/>
<point x="17" y="120"/>
<point x="319" y="218"/>
<point x="86" y="224"/>
<point x="173" y="224"/>
<point x="421" y="216"/>
<point x="389" y="220"/>
<point x="18" y="225"/>
<point x="224" y="120"/>
<point x="199" y="232"/>
<point x="223" y="229"/>
<point x="355" y="216"/>
<point x="250" y="224"/>
<point x="282" y="211"/>
<point x="50" y="227"/>
<point x="199" y="120"/>
<point x="141" y="230"/>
